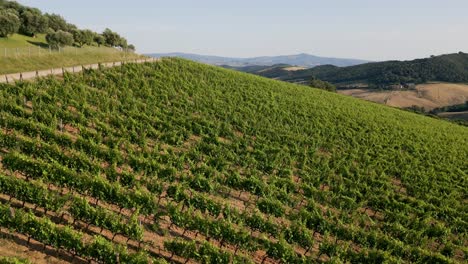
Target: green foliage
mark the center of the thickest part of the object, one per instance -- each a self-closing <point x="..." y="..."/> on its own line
<point x="204" y="253"/>
<point x="269" y="206"/>
<point x="57" y="22"/>
<point x="316" y="83"/>
<point x="378" y="75"/>
<point x="83" y="37"/>
<point x="6" y="260"/>
<point x="15" y="17"/>
<point x="99" y="39"/>
<point x="33" y="22"/>
<point x="48" y="233"/>
<point x="113" y="39"/>
<point x="444" y="68"/>
<point x="59" y="39"/>
<point x="224" y="167"/>
<point x="9" y="23"/>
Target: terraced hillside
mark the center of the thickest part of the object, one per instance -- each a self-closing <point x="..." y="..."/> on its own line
<point x="182" y="162"/>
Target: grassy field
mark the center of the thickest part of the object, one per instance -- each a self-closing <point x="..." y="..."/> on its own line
<point x="21" y="41"/>
<point x="187" y="163"/>
<point x="69" y="57"/>
<point x="17" y="54"/>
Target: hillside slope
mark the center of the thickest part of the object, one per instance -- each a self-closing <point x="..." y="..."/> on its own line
<point x="20" y="53"/>
<point x="20" y="41"/>
<point x="444" y="68"/>
<point x="195" y="162"/>
<point x="66" y="58"/>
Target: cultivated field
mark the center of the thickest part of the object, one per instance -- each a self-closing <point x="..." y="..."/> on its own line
<point x="429" y="96"/>
<point x="180" y="162"/>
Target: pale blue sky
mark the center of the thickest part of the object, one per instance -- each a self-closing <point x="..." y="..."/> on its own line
<point x="364" y="29"/>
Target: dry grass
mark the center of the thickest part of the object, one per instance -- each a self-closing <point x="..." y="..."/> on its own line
<point x="294" y="68"/>
<point x="429" y="96"/>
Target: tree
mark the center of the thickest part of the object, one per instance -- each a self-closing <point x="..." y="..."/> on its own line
<point x="122" y="43"/>
<point x="316" y="83"/>
<point x="59" y="39"/>
<point x="9" y="23"/>
<point x="112" y="39"/>
<point x="99" y="39"/>
<point x="71" y="27"/>
<point x="131" y="48"/>
<point x="11" y="5"/>
<point x="57" y="22"/>
<point x="33" y="22"/>
<point x="83" y="37"/>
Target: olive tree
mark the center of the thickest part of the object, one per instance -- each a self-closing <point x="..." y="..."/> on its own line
<point x="59" y="39"/>
<point x="57" y="22"/>
<point x="83" y="37"/>
<point x="112" y="39"/>
<point x="33" y="22"/>
<point x="99" y="39"/>
<point x="9" y="23"/>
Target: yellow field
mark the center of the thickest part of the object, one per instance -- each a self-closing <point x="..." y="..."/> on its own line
<point x="429" y="96"/>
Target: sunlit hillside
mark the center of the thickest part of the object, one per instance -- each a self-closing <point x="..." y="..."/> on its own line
<point x="187" y="163"/>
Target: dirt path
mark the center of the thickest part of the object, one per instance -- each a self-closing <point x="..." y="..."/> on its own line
<point x="12" y="77"/>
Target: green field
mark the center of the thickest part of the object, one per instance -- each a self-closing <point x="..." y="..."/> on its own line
<point x="17" y="54"/>
<point x="69" y="57"/>
<point x="21" y="41"/>
<point x="180" y="161"/>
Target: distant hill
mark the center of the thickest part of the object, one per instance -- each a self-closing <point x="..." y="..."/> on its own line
<point x="445" y="68"/>
<point x="303" y="60"/>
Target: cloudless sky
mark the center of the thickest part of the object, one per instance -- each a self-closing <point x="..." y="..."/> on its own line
<point x="363" y="29"/>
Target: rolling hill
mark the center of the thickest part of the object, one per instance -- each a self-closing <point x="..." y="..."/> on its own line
<point x="179" y="161"/>
<point x="303" y="60"/>
<point x="445" y="68"/>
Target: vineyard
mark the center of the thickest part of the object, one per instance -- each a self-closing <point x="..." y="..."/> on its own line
<point x="179" y="162"/>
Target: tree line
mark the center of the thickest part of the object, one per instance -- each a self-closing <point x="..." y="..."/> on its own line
<point x="16" y="18"/>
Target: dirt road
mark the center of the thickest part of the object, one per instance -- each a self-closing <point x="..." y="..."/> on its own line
<point x="10" y="78"/>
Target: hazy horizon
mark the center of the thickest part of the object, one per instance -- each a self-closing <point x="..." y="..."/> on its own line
<point x="361" y="29"/>
<point x="249" y="57"/>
